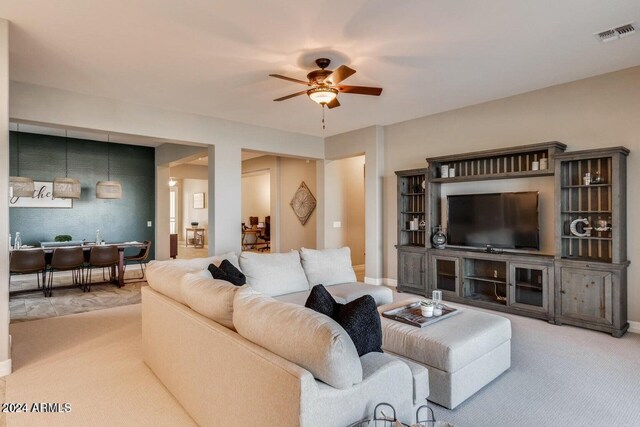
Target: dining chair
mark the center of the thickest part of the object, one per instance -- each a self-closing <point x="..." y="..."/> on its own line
<point x="66" y="259"/>
<point x="27" y="262"/>
<point x="102" y="256"/>
<point x="266" y="234"/>
<point x="141" y="258"/>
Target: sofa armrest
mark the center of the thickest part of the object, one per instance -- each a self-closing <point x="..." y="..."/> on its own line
<point x="202" y="362"/>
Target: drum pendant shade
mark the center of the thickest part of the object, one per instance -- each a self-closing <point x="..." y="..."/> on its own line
<point x="20" y="186"/>
<point x="108" y="189"/>
<point x="66" y="188"/>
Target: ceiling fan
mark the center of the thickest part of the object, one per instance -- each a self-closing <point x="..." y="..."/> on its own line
<point x="324" y="85"/>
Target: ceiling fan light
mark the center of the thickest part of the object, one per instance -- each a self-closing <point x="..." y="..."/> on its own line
<point x="322" y="95"/>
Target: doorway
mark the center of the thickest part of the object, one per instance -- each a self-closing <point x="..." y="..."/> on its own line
<point x="256" y="211"/>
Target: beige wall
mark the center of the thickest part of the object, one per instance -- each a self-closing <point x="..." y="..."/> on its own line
<point x="344" y="202"/>
<point x="597" y="112"/>
<point x="5" y="356"/>
<point x="256" y="195"/>
<point x="188" y="213"/>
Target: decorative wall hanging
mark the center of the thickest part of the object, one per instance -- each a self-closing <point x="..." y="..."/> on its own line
<point x="198" y="200"/>
<point x="42" y="197"/>
<point x="303" y="203"/>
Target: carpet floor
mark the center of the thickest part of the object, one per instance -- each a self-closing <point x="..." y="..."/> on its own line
<point x="560" y="376"/>
<point x="93" y="361"/>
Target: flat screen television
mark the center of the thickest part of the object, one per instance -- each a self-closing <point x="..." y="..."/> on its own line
<point x="501" y="220"/>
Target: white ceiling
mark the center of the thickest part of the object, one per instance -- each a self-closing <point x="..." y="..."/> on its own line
<point x="213" y="57"/>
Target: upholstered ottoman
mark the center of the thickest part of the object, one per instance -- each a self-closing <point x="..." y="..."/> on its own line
<point x="462" y="353"/>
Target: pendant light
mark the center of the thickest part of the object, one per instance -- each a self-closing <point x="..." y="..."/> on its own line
<point x="20" y="186"/>
<point x="108" y="189"/>
<point x="66" y="188"/>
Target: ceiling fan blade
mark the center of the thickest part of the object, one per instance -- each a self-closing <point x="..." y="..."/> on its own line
<point x="279" y="76"/>
<point x="302" y="92"/>
<point x="339" y="74"/>
<point x="334" y="103"/>
<point x="361" y="90"/>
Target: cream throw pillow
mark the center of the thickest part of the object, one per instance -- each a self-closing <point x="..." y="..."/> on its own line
<point x="327" y="266"/>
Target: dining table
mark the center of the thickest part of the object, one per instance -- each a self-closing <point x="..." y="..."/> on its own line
<point x="86" y="247"/>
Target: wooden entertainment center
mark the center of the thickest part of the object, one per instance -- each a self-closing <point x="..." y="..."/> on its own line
<point x="583" y="283"/>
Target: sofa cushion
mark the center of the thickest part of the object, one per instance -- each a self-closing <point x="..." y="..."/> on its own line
<point x="327" y="266"/>
<point x="227" y="272"/>
<point x="359" y="318"/>
<point x="274" y="274"/>
<point x="165" y="276"/>
<point x="300" y="298"/>
<point x="350" y="291"/>
<point x="210" y="297"/>
<point x="302" y="336"/>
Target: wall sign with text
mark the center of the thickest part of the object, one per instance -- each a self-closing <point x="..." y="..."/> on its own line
<point x="42" y="198"/>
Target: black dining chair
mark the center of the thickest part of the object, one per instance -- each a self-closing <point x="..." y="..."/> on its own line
<point x="141" y="258"/>
<point x="102" y="257"/>
<point x="266" y="234"/>
<point x="27" y="262"/>
<point x="66" y="259"/>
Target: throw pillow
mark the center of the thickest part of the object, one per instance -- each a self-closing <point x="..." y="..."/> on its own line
<point x="320" y="300"/>
<point x="227" y="272"/>
<point x="236" y="277"/>
<point x="359" y="318"/>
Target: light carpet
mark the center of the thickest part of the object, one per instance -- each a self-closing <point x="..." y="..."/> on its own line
<point x="560" y="376"/>
<point x="94" y="362"/>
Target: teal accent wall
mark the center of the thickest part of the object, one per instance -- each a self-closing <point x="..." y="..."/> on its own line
<point x="42" y="158"/>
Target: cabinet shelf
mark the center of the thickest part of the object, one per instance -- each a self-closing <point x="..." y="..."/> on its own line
<point x="485" y="298"/>
<point x="586" y="212"/>
<point x="587" y="238"/>
<point x="413" y="212"/>
<point x="567" y="187"/>
<point x="537" y="288"/>
<point x="487" y="279"/>
<point x="413" y="194"/>
<point x="413" y="231"/>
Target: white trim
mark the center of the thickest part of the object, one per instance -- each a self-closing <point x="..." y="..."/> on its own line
<point x="382" y="281"/>
<point x="634" y="327"/>
<point x="5" y="367"/>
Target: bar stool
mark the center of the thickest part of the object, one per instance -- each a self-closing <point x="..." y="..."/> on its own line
<point x="66" y="259"/>
<point x="27" y="262"/>
<point x="141" y="258"/>
<point x="102" y="257"/>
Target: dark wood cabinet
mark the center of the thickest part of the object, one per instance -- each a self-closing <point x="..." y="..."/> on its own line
<point x="411" y="270"/>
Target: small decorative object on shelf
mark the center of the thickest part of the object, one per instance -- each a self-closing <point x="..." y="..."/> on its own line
<point x="535" y="166"/>
<point x="439" y="239"/>
<point x="444" y="171"/>
<point x="586" y="229"/>
<point x="544" y="163"/>
<point x="452" y="172"/>
<point x="423" y="224"/>
<point x="596" y="178"/>
<point x="587" y="179"/>
<point x="194" y="223"/>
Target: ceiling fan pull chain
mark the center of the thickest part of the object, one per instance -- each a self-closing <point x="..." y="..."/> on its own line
<point x="322" y="116"/>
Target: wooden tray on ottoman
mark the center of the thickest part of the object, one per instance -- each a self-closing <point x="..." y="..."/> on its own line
<point x="411" y="314"/>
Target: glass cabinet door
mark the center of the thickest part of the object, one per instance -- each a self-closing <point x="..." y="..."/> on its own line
<point x="529" y="286"/>
<point x="445" y="274"/>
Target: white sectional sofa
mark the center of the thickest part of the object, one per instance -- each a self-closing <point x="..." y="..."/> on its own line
<point x="247" y="356"/>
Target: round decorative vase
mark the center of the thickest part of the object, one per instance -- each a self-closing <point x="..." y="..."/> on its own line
<point x="439" y="239"/>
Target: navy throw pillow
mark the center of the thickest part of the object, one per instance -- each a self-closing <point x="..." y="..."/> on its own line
<point x="320" y="300"/>
<point x="227" y="272"/>
<point x="359" y="318"/>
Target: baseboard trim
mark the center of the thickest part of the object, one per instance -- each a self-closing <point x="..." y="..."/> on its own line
<point x="634" y="327"/>
<point x="5" y="367"/>
<point x="382" y="281"/>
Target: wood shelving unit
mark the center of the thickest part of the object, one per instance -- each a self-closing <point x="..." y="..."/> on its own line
<point x="513" y="162"/>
